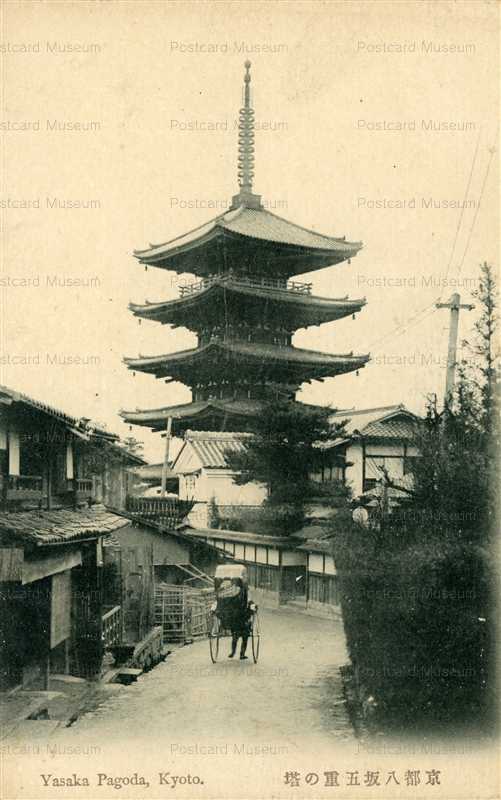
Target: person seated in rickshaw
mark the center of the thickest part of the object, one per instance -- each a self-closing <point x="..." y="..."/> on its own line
<point x="233" y="606"/>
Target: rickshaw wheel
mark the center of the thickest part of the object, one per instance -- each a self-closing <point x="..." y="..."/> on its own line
<point x="255" y="635"/>
<point x="214" y="634"/>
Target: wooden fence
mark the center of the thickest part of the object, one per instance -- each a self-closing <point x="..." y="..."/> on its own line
<point x="323" y="589"/>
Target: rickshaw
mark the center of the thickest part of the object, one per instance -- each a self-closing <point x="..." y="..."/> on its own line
<point x="232" y="609"/>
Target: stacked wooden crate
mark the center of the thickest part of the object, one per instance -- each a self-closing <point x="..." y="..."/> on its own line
<point x="182" y="611"/>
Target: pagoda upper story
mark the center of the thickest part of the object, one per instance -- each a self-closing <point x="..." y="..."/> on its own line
<point x="203" y="304"/>
<point x="240" y="240"/>
<point x="244" y="307"/>
<point x="248" y="239"/>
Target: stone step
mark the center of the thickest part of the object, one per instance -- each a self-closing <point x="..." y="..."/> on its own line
<point x="128" y="675"/>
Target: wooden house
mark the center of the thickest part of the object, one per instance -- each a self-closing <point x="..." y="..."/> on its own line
<point x="375" y="438"/>
<point x="56" y="471"/>
<point x="296" y="570"/>
<point x="49" y="459"/>
<point x="51" y="606"/>
<point x="204" y="474"/>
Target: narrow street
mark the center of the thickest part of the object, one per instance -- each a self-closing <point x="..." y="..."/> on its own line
<point x="233" y="729"/>
<point x="295" y="688"/>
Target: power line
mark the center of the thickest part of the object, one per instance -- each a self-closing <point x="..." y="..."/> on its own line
<point x="412" y="323"/>
<point x="402" y="327"/>
<point x="460" y="220"/>
<point x="492" y="150"/>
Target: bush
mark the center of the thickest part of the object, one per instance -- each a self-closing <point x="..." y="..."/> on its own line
<point x="417" y="589"/>
<point x="268" y="519"/>
<point x="414" y="612"/>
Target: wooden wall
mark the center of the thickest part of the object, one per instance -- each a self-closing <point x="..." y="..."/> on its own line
<point x="167" y="550"/>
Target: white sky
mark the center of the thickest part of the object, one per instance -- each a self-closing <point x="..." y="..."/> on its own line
<point x="321" y="167"/>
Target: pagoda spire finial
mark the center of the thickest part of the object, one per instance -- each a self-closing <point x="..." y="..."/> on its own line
<point x="246" y="137"/>
<point x="245" y="197"/>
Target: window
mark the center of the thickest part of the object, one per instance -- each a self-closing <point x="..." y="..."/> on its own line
<point x="190" y="483"/>
<point x="328" y="473"/>
<point x="393" y="465"/>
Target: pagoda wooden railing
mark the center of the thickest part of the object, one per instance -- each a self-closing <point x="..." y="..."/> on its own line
<point x="252" y="280"/>
<point x="166" y="511"/>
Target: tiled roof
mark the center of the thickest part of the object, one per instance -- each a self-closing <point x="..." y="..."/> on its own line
<point x="82" y="425"/>
<point x="198" y="411"/>
<point x="399" y="427"/>
<point x="384" y="422"/>
<point x="212" y="447"/>
<point x="157" y="416"/>
<point x="280" y="542"/>
<point x="179" y="242"/>
<point x="307" y="308"/>
<point x="317" y="546"/>
<point x="254" y="350"/>
<point x="191" y="409"/>
<point x="255" y="224"/>
<point x="268" y="226"/>
<point x="55" y="527"/>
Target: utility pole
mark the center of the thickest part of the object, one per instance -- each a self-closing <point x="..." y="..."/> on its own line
<point x="454" y="305"/>
<point x="166" y="456"/>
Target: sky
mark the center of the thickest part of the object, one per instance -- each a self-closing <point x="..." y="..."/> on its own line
<point x="374" y="121"/>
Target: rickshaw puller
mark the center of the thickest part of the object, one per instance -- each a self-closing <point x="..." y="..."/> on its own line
<point x="240" y="629"/>
<point x="233" y="606"/>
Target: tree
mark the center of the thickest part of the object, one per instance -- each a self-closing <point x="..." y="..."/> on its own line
<point x="436" y="555"/>
<point x="484" y="373"/>
<point x="454" y="486"/>
<point x="456" y="474"/>
<point x="282" y="454"/>
<point x="478" y="388"/>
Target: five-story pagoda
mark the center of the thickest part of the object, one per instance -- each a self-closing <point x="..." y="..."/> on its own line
<point x="243" y="307"/>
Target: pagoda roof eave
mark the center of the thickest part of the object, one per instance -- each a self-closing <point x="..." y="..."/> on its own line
<point x="256" y="228"/>
<point x="297" y="364"/>
<point x="156" y="418"/>
<point x="251" y="349"/>
<point x="325" y="308"/>
<point x="233" y="411"/>
<point x="197" y="234"/>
